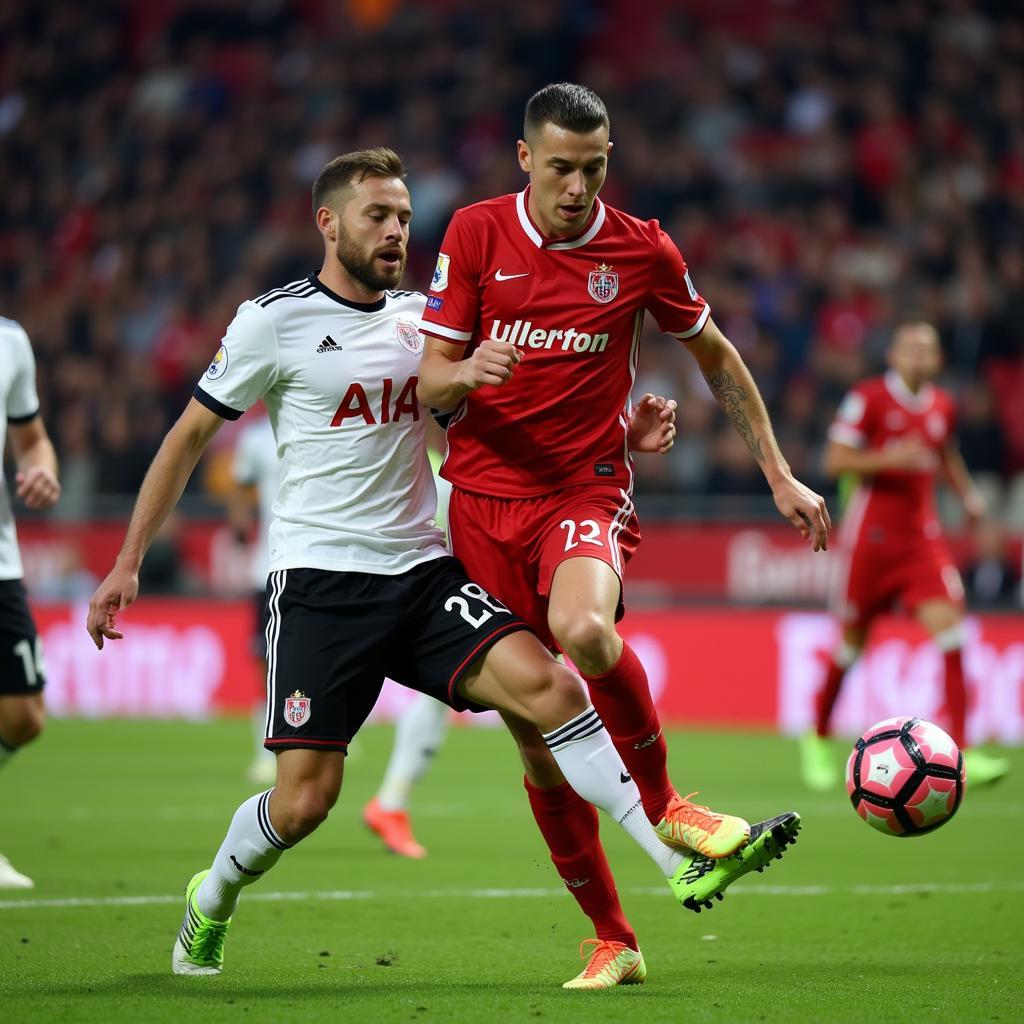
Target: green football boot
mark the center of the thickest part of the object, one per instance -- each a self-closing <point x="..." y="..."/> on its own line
<point x="983" y="769"/>
<point x="818" y="768"/>
<point x="199" y="948"/>
<point x="699" y="880"/>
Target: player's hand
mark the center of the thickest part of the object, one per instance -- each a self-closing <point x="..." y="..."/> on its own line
<point x="37" y="487"/>
<point x="908" y="453"/>
<point x="115" y="593"/>
<point x="652" y="427"/>
<point x="492" y="362"/>
<point x="805" y="510"/>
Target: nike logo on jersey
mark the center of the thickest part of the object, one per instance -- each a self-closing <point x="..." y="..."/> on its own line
<point x="499" y="276"/>
<point x="328" y="345"/>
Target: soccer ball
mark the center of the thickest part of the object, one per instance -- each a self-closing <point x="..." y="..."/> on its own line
<point x="905" y="777"/>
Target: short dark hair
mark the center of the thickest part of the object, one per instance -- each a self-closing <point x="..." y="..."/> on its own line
<point x="351" y="168"/>
<point x="566" y="105"/>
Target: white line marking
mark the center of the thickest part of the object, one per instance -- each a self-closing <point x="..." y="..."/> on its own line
<point x="338" y="895"/>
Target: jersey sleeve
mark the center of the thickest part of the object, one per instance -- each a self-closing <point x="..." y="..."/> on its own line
<point x="245" y="366"/>
<point x="22" y="400"/>
<point x="672" y="298"/>
<point x="850" y="425"/>
<point x="454" y="300"/>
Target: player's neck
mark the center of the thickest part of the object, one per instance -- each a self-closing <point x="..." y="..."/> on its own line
<point x="341" y="282"/>
<point x="548" y="232"/>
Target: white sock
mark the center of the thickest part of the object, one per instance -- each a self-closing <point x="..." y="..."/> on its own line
<point x="592" y="766"/>
<point x="6" y="751"/>
<point x="250" y="849"/>
<point x="419" y="733"/>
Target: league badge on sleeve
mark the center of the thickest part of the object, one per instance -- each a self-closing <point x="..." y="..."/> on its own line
<point x="219" y="366"/>
<point x="296" y="709"/>
<point x="439" y="281"/>
<point x="603" y="283"/>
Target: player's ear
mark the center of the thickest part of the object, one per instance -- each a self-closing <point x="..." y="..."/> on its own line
<point x="524" y="155"/>
<point x="326" y="223"/>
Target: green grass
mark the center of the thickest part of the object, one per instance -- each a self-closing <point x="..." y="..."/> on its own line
<point x="104" y="811"/>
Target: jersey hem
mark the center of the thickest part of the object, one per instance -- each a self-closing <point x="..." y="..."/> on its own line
<point x="19" y="420"/>
<point x="372" y="568"/>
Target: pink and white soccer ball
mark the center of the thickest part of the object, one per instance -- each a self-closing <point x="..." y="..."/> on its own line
<point x="905" y="777"/>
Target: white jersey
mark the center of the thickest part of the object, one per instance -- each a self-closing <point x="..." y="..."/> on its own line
<point x="19" y="403"/>
<point x="256" y="465"/>
<point x="339" y="380"/>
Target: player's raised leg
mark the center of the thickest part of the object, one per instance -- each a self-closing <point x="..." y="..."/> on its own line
<point x="419" y="733"/>
<point x="263" y="827"/>
<point x="585" y="596"/>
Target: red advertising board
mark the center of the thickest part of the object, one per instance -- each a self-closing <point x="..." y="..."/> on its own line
<point x="717" y="667"/>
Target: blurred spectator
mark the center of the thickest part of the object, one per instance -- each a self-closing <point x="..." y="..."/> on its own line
<point x="992" y="580"/>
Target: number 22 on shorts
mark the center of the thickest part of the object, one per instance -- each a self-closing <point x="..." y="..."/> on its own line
<point x="588" y="529"/>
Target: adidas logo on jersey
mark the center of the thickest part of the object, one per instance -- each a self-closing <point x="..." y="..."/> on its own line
<point x="328" y="345"/>
<point x="525" y="335"/>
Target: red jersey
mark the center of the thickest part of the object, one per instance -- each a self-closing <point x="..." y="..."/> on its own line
<point x="877" y="413"/>
<point x="574" y="307"/>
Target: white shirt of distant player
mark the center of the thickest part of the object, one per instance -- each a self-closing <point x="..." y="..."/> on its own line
<point x="256" y="465"/>
<point x="18" y="401"/>
<point x="338" y="378"/>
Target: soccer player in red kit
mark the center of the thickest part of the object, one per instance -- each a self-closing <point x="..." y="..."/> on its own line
<point x="532" y="324"/>
<point x="897" y="434"/>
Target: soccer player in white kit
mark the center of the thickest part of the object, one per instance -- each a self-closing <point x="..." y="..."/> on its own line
<point x="361" y="584"/>
<point x="22" y="672"/>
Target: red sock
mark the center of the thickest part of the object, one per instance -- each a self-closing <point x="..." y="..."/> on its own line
<point x="956" y="696"/>
<point x="623" y="699"/>
<point x="828" y="695"/>
<point x="569" y="827"/>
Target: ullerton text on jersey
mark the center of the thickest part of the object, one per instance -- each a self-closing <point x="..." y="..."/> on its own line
<point x="525" y="335"/>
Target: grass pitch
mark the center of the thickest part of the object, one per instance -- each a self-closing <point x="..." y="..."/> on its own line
<point x="111" y="819"/>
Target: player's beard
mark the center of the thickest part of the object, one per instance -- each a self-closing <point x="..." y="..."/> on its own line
<point x="362" y="266"/>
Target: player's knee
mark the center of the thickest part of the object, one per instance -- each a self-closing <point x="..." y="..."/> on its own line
<point x="585" y="636"/>
<point x="306" y="811"/>
<point x="22" y="725"/>
<point x="560" y="697"/>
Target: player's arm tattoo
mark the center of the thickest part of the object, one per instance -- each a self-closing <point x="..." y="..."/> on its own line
<point x="731" y="397"/>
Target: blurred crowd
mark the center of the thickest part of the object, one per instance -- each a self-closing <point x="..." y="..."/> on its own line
<point x="825" y="168"/>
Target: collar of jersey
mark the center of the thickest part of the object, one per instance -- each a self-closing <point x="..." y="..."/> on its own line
<point x="532" y="232"/>
<point x="363" y="307"/>
<point x="899" y="390"/>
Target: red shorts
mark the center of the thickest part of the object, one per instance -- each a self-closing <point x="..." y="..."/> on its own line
<point x="512" y="546"/>
<point x="908" y="572"/>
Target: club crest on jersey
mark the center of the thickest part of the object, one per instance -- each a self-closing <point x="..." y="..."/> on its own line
<point x="439" y="281"/>
<point x="296" y="709"/>
<point x="409" y="336"/>
<point x="603" y="283"/>
<point x="219" y="366"/>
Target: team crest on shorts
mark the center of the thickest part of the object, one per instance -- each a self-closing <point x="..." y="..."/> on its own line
<point x="408" y="336"/>
<point x="296" y="709"/>
<point x="603" y="283"/>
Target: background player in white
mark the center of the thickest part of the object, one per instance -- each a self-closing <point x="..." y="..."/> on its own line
<point x="22" y="674"/>
<point x="255" y="469"/>
<point x="361" y="583"/>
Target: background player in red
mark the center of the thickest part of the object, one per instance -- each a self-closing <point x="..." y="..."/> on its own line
<point x="897" y="434"/>
<point x="533" y="324"/>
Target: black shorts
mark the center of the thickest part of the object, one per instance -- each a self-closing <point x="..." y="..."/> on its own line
<point x="334" y="637"/>
<point x="21" y="652"/>
<point x="260" y="619"/>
